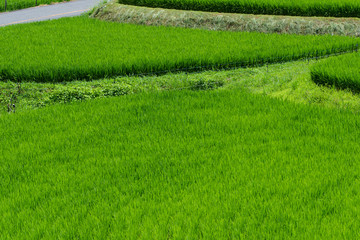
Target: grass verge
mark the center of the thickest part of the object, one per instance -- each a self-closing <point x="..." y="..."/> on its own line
<point x="289" y="81"/>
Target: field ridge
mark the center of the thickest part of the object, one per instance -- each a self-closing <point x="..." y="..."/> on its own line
<point x="227" y="21"/>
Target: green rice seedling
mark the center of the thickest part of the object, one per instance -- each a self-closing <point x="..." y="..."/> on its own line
<point x="326" y="8"/>
<point x="82" y="48"/>
<point x="180" y="165"/>
<point x="342" y="72"/>
<point x="20" y="4"/>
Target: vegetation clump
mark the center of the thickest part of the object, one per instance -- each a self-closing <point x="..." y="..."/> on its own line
<point x="341" y="72"/>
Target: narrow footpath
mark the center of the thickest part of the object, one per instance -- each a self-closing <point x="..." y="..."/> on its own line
<point x="42" y="13"/>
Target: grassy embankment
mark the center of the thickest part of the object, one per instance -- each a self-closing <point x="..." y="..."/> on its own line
<point x="116" y="12"/>
<point x="289" y="81"/>
<point x="221" y="164"/>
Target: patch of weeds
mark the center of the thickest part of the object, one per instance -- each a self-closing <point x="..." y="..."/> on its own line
<point x="37" y="95"/>
<point x="206" y="84"/>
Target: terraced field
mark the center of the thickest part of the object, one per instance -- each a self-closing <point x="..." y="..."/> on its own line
<point x="99" y="49"/>
<point x="91" y="147"/>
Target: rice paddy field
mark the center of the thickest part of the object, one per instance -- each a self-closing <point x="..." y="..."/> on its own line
<point x="93" y="148"/>
<point x="342" y="72"/>
<point x="59" y="50"/>
<point x="20" y="4"/>
<point x="174" y="165"/>
<point x="324" y="8"/>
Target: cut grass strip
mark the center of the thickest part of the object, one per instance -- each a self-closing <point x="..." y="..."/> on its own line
<point x="227" y="21"/>
<point x="61" y="50"/>
<point x="177" y="165"/>
<point x="328" y="8"/>
<point x="341" y="72"/>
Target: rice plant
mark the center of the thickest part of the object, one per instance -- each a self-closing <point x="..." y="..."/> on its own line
<point x="180" y="165"/>
<point x="342" y="72"/>
<point x="82" y="48"/>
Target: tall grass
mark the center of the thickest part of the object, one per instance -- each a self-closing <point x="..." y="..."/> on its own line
<point x="20" y="4"/>
<point x="82" y="48"/>
<point x="326" y="8"/>
<point x="342" y="72"/>
<point x="177" y="165"/>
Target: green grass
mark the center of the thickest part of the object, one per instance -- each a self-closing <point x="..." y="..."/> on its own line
<point x="60" y="50"/>
<point x="20" y="4"/>
<point x="32" y="95"/>
<point x="341" y="72"/>
<point x="175" y="165"/>
<point x="326" y="8"/>
<point x="290" y="81"/>
<point x="222" y="164"/>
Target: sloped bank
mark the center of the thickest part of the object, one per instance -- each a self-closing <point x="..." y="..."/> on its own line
<point x="224" y="21"/>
